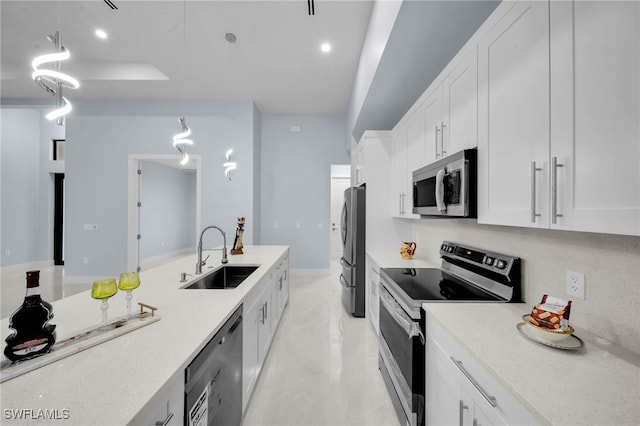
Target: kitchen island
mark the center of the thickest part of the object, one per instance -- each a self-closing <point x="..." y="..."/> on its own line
<point x="596" y="385"/>
<point x="114" y="383"/>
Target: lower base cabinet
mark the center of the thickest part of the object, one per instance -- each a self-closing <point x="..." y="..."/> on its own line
<point x="459" y="391"/>
<point x="263" y="309"/>
<point x="168" y="410"/>
<point x="373" y="297"/>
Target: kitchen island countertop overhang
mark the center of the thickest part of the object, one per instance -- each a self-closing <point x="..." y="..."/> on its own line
<point x="113" y="382"/>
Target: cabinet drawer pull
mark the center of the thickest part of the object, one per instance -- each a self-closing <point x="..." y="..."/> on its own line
<point x="437" y="131"/>
<point x="534" y="169"/>
<point x="490" y="399"/>
<point x="166" y="421"/>
<point x="554" y="189"/>
<point x="461" y="412"/>
<point x="442" y="150"/>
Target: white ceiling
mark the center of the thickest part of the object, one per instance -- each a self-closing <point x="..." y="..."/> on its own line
<point x="176" y="50"/>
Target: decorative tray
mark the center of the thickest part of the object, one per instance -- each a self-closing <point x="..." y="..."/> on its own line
<point x="571" y="342"/>
<point x="85" y="339"/>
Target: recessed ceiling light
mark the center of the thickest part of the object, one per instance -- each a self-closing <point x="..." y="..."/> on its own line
<point x="101" y="34"/>
<point x="325" y="47"/>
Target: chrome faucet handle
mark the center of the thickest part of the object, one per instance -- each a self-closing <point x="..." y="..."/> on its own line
<point x="204" y="261"/>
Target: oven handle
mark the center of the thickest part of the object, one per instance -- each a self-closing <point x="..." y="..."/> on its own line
<point x="343" y="281"/>
<point x="442" y="207"/>
<point x="395" y="310"/>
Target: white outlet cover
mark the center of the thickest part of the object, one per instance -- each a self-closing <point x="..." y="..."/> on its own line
<point x="576" y="284"/>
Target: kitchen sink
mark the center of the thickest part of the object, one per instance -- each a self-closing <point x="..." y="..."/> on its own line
<point x="224" y="278"/>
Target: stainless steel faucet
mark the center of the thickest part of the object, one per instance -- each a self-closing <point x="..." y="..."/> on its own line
<point x="224" y="248"/>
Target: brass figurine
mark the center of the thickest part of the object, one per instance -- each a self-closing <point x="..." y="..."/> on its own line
<point x="237" y="243"/>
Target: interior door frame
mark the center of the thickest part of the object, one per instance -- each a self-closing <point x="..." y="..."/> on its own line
<point x="133" y="225"/>
<point x="58" y="219"/>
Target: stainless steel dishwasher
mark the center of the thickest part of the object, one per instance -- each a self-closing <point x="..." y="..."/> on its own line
<point x="213" y="380"/>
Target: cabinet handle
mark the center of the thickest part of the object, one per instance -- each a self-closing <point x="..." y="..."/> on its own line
<point x="490" y="399"/>
<point x="442" y="150"/>
<point x="262" y="314"/>
<point x="266" y="315"/>
<point x="534" y="169"/>
<point x="461" y="412"/>
<point x="166" y="421"/>
<point x="437" y="131"/>
<point x="554" y="189"/>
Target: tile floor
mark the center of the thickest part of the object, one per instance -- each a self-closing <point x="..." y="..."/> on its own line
<point x="322" y="368"/>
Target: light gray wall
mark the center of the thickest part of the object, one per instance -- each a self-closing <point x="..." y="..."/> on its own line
<point x="296" y="183"/>
<point x="257" y="175"/>
<point x="100" y="138"/>
<point x="168" y="211"/>
<point x="27" y="185"/>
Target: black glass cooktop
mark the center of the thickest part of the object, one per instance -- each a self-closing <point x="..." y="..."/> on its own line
<point x="430" y="284"/>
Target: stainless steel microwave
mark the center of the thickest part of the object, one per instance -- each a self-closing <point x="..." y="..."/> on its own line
<point x="447" y="187"/>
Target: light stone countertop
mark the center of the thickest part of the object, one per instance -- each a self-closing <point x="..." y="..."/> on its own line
<point x="111" y="382"/>
<point x="392" y="259"/>
<point x="597" y="385"/>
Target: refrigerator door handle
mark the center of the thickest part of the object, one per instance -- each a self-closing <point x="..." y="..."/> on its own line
<point x="344" y="263"/>
<point x="343" y="281"/>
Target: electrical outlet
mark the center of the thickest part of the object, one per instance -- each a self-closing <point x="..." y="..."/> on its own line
<point x="575" y="284"/>
<point x="7" y="252"/>
<point x="298" y="225"/>
<point x="85" y="260"/>
<point x="275" y="225"/>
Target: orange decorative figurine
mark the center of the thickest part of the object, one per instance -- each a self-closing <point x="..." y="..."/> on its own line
<point x="408" y="249"/>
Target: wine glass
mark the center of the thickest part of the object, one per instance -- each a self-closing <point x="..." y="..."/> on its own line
<point x="128" y="282"/>
<point x="103" y="290"/>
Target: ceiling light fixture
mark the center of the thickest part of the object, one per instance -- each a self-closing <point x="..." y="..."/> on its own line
<point x="229" y="165"/>
<point x="53" y="80"/>
<point x="325" y="47"/>
<point x="101" y="34"/>
<point x="180" y="141"/>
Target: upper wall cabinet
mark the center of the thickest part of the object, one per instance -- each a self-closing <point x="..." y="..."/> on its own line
<point x="595" y="116"/>
<point x="401" y="195"/>
<point x="513" y="128"/>
<point x="558" y="131"/>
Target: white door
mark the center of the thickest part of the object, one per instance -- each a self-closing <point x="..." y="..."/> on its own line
<point x="338" y="186"/>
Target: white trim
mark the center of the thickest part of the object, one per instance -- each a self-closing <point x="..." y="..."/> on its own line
<point x="132" y="213"/>
<point x="27" y="266"/>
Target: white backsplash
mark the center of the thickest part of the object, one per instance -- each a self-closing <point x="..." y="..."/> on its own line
<point x="611" y="264"/>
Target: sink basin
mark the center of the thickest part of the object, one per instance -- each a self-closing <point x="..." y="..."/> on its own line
<point x="223" y="278"/>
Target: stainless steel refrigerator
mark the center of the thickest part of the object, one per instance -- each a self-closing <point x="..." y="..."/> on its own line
<point x="352" y="278"/>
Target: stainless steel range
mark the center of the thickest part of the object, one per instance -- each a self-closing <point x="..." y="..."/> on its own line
<point x="467" y="274"/>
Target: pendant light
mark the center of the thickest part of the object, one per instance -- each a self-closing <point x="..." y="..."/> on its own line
<point x="180" y="140"/>
<point x="229" y="165"/>
<point x="53" y="80"/>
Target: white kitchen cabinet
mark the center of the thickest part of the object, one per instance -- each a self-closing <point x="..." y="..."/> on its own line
<point x="559" y="108"/>
<point x="416" y="148"/>
<point x="434" y="122"/>
<point x="398" y="176"/>
<point x="281" y="292"/>
<point x="358" y="164"/>
<point x="167" y="408"/>
<point x="263" y="309"/>
<point x="595" y="116"/>
<point x="513" y="111"/>
<point x="459" y="128"/>
<point x="458" y="389"/>
<point x="373" y="293"/>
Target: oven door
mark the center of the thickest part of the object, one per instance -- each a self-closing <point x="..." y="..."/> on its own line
<point x="402" y="349"/>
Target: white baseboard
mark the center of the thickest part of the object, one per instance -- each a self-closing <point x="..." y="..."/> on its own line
<point x="28" y="266"/>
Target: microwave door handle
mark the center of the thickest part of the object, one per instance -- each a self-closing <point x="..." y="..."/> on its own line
<point x="442" y="207"/>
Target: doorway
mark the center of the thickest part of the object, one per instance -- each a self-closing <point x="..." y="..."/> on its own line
<point x="135" y="204"/>
<point x="58" y="219"/>
<point x="340" y="180"/>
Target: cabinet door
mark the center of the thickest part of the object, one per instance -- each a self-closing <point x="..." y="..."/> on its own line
<point x="265" y="323"/>
<point x="595" y="69"/>
<point x="433" y="119"/>
<point x="399" y="172"/>
<point x="513" y="126"/>
<point x="448" y="406"/>
<point x="250" y="352"/>
<point x="168" y="408"/>
<point x="460" y="126"/>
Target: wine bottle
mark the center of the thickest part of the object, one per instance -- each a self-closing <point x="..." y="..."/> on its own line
<point x="32" y="335"/>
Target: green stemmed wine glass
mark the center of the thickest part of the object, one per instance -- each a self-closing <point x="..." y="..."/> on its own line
<point x="103" y="290"/>
<point x="128" y="282"/>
